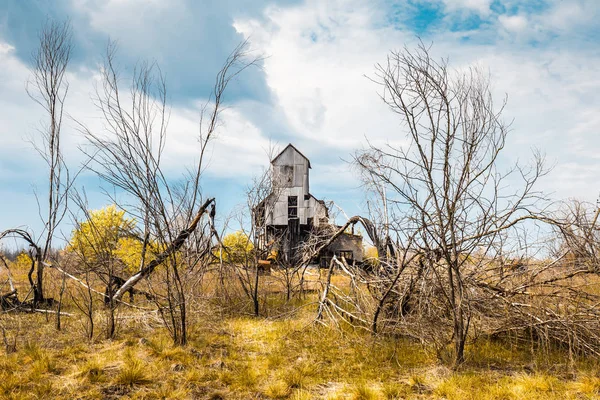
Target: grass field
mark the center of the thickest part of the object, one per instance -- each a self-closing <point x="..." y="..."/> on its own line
<point x="283" y="356"/>
<point x="256" y="358"/>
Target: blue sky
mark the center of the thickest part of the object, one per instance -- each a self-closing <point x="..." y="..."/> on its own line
<point x="311" y="88"/>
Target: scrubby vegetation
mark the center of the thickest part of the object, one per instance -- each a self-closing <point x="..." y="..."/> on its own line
<point x="477" y="286"/>
<point x="282" y="355"/>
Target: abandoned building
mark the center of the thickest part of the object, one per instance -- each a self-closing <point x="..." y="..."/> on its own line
<point x="290" y="215"/>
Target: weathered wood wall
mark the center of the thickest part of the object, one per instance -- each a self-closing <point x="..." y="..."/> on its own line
<point x="291" y="178"/>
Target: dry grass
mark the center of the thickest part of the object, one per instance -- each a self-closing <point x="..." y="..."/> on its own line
<point x="284" y="356"/>
<point x="243" y="357"/>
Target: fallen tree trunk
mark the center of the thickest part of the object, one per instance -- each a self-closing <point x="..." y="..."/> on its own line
<point x="173" y="247"/>
<point x="9" y="300"/>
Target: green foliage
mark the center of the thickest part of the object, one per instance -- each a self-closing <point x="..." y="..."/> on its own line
<point x="108" y="234"/>
<point x="239" y="247"/>
<point x="23" y="262"/>
<point x="371" y="256"/>
<point x="129" y="250"/>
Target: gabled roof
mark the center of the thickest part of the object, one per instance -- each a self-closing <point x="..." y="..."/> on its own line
<point x="295" y="149"/>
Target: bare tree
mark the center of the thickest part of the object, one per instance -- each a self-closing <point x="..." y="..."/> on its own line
<point x="49" y="88"/>
<point x="257" y="196"/>
<point x="445" y="182"/>
<point x="129" y="157"/>
<point x="577" y="229"/>
<point x="83" y="299"/>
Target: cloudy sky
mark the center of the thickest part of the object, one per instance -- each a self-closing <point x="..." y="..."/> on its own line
<point x="311" y="89"/>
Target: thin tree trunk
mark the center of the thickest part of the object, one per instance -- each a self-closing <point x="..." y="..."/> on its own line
<point x="60" y="298"/>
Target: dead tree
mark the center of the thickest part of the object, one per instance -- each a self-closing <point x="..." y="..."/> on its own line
<point x="82" y="297"/>
<point x="48" y="87"/>
<point x="445" y="182"/>
<point x="578" y="232"/>
<point x="36" y="259"/>
<point x="129" y="156"/>
<point x="255" y="217"/>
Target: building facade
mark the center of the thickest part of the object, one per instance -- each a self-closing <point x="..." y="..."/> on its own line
<point x="290" y="213"/>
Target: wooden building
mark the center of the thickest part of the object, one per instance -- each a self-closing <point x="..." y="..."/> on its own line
<point x="290" y="213"/>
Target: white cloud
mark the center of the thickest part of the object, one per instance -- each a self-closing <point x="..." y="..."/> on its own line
<point x="127" y="20"/>
<point x="565" y="15"/>
<point x="6" y="48"/>
<point x="559" y="22"/>
<point x="237" y="151"/>
<point x="18" y="113"/>
<point x="479" y="6"/>
<point x="513" y="23"/>
<point x="318" y="54"/>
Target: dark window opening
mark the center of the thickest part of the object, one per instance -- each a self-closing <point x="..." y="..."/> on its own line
<point x="307" y="197"/>
<point x="347" y="254"/>
<point x="292" y="206"/>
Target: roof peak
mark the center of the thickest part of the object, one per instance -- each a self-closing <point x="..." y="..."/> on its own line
<point x="297" y="151"/>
